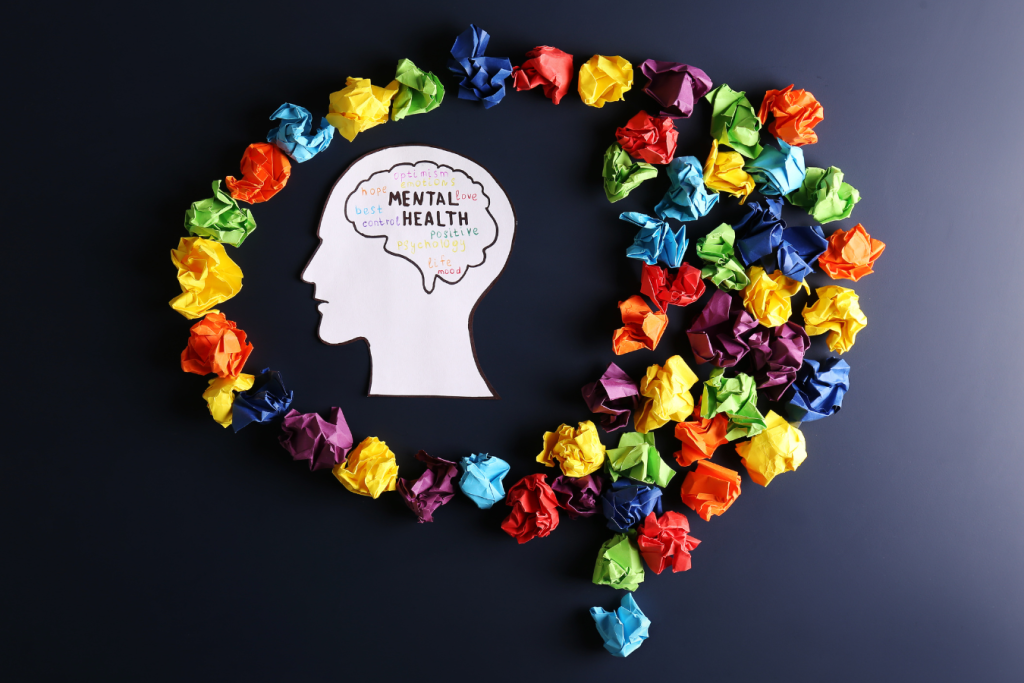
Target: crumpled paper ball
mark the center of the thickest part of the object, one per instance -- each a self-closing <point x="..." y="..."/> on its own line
<point x="710" y="489"/>
<point x="481" y="479"/>
<point x="430" y="490"/>
<point x="778" y="172"/>
<point x="687" y="199"/>
<point x="482" y="78"/>
<point x="768" y="297"/>
<point x="419" y="91"/>
<point x="323" y="442"/>
<point x="548" y="67"/>
<point x="207" y="276"/>
<point x="720" y="334"/>
<point x="837" y="311"/>
<point x="796" y="114"/>
<point x="723" y="172"/>
<point x="215" y="344"/>
<point x="534" y="509"/>
<point x="825" y="195"/>
<point x="623" y="630"/>
<point x="700" y="437"/>
<point x="850" y="254"/>
<point x="737" y="398"/>
<point x="666" y="541"/>
<point x="733" y="121"/>
<point x="675" y="87"/>
<point x="637" y="459"/>
<point x="359" y="106"/>
<point x="613" y="397"/>
<point x="604" y="79"/>
<point x="266" y="400"/>
<point x="624" y="504"/>
<point x="779" y="448"/>
<point x="619" y="564"/>
<point x="667" y="389"/>
<point x="655" y="242"/>
<point x="220" y="218"/>
<point x="765" y="239"/>
<point x="778" y="355"/>
<point x="717" y="249"/>
<point x="649" y="138"/>
<point x="265" y="172"/>
<point x="819" y="389"/>
<point x="642" y="327"/>
<point x="622" y="174"/>
<point x="578" y="496"/>
<point x="370" y="469"/>
<point x="220" y="396"/>
<point x="578" y="452"/>
<point x="294" y="135"/>
<point x="665" y="289"/>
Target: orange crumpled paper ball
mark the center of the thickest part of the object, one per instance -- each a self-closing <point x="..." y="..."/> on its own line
<point x="796" y="114"/>
<point x="265" y="171"/>
<point x="710" y="489"/>
<point x="700" y="437"/>
<point x="850" y="254"/>
<point x="642" y="329"/>
<point x="216" y="345"/>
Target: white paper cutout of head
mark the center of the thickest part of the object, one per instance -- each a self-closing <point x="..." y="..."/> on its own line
<point x="411" y="238"/>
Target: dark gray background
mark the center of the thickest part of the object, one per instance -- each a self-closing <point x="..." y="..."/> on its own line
<point x="144" y="542"/>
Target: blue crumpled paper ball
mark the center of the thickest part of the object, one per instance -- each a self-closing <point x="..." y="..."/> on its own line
<point x="481" y="479"/>
<point x="625" y="504"/>
<point x="267" y="400"/>
<point x="623" y="630"/>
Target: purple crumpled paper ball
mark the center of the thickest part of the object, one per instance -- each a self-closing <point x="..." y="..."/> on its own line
<point x="430" y="490"/>
<point x="578" y="496"/>
<point x="307" y="436"/>
<point x="778" y="354"/>
<point x="613" y="397"/>
<point x="721" y="333"/>
<point x="675" y="87"/>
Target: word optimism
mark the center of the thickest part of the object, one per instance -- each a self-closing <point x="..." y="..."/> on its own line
<point x="442" y="231"/>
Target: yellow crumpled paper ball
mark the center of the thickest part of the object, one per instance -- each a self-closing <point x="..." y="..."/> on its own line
<point x="206" y="274"/>
<point x="667" y="389"/>
<point x="220" y="396"/>
<point x="837" y="311"/>
<point x="369" y="470"/>
<point x="723" y="172"/>
<point x="359" y="106"/>
<point x="779" y="448"/>
<point x="604" y="79"/>
<point x="768" y="296"/>
<point x="579" y="452"/>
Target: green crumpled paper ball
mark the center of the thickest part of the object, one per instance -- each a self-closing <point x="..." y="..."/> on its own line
<point x="824" y="194"/>
<point x="622" y="174"/>
<point x="618" y="564"/>
<point x="419" y="91"/>
<point x="220" y="219"/>
<point x="636" y="458"/>
<point x="718" y="250"/>
<point x="737" y="398"/>
<point x="734" y="121"/>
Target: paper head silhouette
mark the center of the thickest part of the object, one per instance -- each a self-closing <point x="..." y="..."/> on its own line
<point x="411" y="238"/>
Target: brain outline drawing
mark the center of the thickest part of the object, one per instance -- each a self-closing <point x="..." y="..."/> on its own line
<point x="382" y="232"/>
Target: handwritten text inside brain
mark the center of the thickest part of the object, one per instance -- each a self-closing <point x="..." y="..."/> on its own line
<point x="434" y="216"/>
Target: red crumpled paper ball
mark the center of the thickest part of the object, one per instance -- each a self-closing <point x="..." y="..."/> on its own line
<point x="548" y="67"/>
<point x="215" y="344"/>
<point x="265" y="171"/>
<point x="666" y="541"/>
<point x="650" y="138"/>
<point x="664" y="289"/>
<point x="534" y="509"/>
